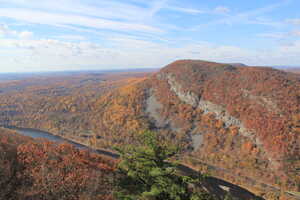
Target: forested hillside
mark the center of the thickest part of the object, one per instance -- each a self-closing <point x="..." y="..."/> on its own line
<point x="242" y="119"/>
<point x="61" y="105"/>
<point x="294" y="70"/>
<point x="31" y="169"/>
<point x="236" y="122"/>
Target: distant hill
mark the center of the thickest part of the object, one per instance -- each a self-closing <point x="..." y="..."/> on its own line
<point x="293" y="69"/>
<point x="237" y="122"/>
<point x="4" y="77"/>
<point x="238" y="64"/>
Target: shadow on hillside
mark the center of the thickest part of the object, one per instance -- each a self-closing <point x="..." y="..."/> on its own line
<point x="221" y="188"/>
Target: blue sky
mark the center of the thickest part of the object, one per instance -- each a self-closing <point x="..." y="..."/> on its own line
<point x="47" y="35"/>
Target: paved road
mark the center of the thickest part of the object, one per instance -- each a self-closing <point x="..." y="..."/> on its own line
<point x="214" y="185"/>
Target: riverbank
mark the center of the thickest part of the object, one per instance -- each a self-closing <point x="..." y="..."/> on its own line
<point x="215" y="185"/>
<point x="35" y="133"/>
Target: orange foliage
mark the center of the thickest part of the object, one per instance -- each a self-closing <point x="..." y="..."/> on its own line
<point x="44" y="170"/>
<point x="265" y="102"/>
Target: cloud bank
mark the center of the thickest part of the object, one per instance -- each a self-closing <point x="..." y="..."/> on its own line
<point x="75" y="35"/>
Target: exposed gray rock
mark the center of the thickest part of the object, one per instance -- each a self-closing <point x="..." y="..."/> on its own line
<point x="187" y="97"/>
<point x="264" y="101"/>
<point x="209" y="107"/>
<point x="152" y="108"/>
<point x="221" y="114"/>
<point x="197" y="140"/>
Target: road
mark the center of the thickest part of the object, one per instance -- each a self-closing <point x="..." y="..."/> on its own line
<point x="213" y="184"/>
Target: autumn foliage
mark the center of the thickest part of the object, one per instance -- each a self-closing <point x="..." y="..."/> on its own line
<point x="259" y="138"/>
<point x="43" y="170"/>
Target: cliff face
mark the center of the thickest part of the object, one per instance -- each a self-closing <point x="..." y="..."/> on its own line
<point x="242" y="119"/>
<point x="236" y="122"/>
<point x="241" y="122"/>
<point x="262" y="103"/>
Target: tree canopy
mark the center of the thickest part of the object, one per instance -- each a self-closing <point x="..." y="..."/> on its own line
<point x="148" y="173"/>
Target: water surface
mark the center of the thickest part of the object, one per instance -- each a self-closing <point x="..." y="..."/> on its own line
<point x="34" y="133"/>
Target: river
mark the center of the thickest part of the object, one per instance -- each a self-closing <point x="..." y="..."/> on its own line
<point x="34" y="133"/>
<point x="212" y="184"/>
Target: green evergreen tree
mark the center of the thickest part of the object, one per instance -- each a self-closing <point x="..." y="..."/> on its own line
<point x="148" y="174"/>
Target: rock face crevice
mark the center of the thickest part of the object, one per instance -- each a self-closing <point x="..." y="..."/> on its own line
<point x="266" y="102"/>
<point x="187" y="97"/>
<point x="239" y="118"/>
<point x="152" y="109"/>
<point x="197" y="141"/>
<point x="221" y="114"/>
<point x="218" y="113"/>
<point x="208" y="107"/>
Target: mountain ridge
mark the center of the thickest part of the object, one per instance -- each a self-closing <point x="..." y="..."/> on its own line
<point x="239" y="118"/>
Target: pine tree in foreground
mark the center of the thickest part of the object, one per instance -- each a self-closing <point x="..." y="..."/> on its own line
<point x="148" y="174"/>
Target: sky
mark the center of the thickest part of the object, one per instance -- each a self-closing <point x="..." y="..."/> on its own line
<point x="48" y="35"/>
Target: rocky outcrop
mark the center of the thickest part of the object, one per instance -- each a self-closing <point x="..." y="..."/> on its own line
<point x="187" y="97"/>
<point x="209" y="107"/>
<point x="235" y="117"/>
<point x="152" y="109"/>
<point x="241" y="120"/>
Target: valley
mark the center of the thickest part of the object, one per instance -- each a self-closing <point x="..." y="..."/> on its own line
<point x="213" y="184"/>
<point x="237" y="123"/>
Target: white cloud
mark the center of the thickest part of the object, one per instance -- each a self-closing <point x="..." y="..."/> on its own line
<point x="144" y="45"/>
<point x="104" y="14"/>
<point x="71" y="37"/>
<point x="157" y="6"/>
<point x="186" y="10"/>
<point x="54" y="19"/>
<point x="280" y="35"/>
<point x="3" y="30"/>
<point x="293" y="21"/>
<point x="248" y="17"/>
<point x="291" y="49"/>
<point x="222" y="10"/>
<point x="296" y="33"/>
<point x="25" y="34"/>
<point x="273" y="35"/>
<point x="6" y="32"/>
<point x="103" y="9"/>
<point x="49" y="54"/>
